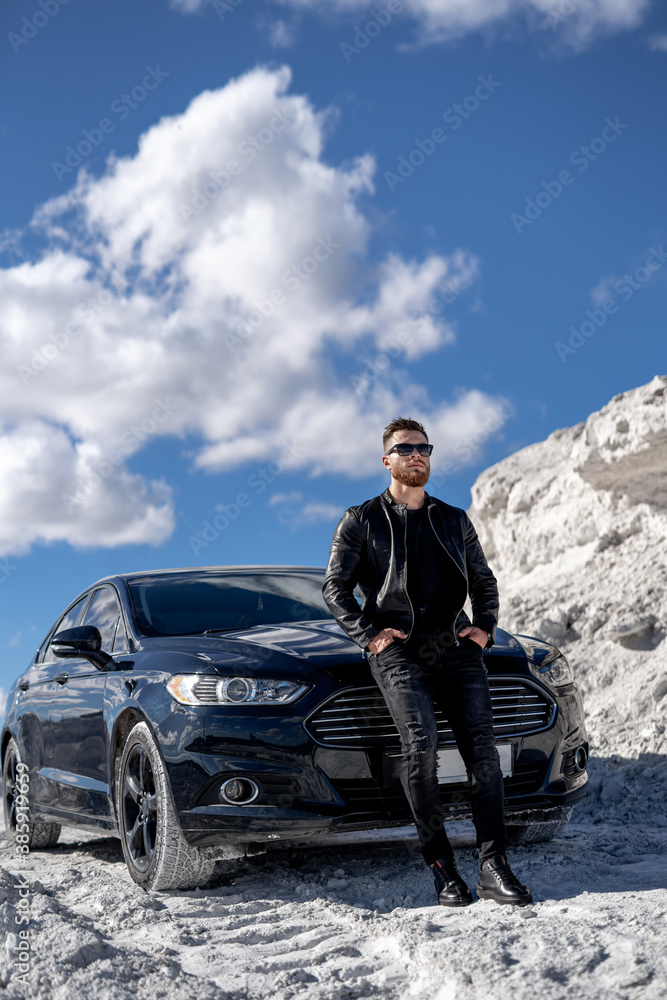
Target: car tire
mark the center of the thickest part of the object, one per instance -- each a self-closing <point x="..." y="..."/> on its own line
<point x="38" y="835"/>
<point x="550" y="824"/>
<point x="155" y="851"/>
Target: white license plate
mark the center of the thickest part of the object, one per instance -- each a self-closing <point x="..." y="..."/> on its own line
<point x="451" y="768"/>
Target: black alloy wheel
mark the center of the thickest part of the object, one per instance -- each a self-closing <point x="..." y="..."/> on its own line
<point x="9" y="776"/>
<point x="25" y="832"/>
<point x="139" y="808"/>
<point x="157" y="855"/>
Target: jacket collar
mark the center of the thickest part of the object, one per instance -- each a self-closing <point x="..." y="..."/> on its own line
<point x="442" y="535"/>
<point x="388" y="499"/>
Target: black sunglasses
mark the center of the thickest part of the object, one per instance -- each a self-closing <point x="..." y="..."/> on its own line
<point x="406" y="449"/>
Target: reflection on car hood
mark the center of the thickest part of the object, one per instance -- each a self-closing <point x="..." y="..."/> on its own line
<point x="295" y="648"/>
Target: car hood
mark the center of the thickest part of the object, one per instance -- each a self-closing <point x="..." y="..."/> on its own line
<point x="294" y="649"/>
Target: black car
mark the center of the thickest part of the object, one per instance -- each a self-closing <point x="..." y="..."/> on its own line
<point x="185" y="710"/>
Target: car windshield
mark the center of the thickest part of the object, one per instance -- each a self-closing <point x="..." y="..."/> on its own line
<point x="196" y="602"/>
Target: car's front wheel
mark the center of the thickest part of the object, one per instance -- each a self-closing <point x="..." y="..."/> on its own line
<point x="21" y="832"/>
<point x="155" y="852"/>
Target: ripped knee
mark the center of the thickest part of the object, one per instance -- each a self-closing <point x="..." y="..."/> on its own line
<point x="398" y="676"/>
<point x="416" y="740"/>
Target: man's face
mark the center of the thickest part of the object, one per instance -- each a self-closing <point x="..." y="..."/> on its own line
<point x="414" y="469"/>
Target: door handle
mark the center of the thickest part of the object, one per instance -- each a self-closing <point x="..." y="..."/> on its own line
<point x="24" y="686"/>
<point x="61" y="679"/>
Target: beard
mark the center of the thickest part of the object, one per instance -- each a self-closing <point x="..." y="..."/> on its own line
<point x="411" y="477"/>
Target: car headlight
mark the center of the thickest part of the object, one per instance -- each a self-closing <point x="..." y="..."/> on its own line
<point x="555" y="670"/>
<point x="205" y="689"/>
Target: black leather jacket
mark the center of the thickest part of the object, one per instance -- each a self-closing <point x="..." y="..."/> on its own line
<point x="369" y="549"/>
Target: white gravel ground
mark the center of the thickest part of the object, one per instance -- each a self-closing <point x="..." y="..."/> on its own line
<point x="352" y="921"/>
<point x="361" y="920"/>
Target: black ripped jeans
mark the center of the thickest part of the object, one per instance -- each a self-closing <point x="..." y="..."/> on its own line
<point x="412" y="674"/>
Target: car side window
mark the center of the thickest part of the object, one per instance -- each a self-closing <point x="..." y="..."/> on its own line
<point x="68" y="620"/>
<point x="121" y="640"/>
<point x="104" y="612"/>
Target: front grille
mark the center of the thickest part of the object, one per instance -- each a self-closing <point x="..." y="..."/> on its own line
<point x="359" y="718"/>
<point x="277" y="789"/>
<point x="527" y="778"/>
<point x="367" y="798"/>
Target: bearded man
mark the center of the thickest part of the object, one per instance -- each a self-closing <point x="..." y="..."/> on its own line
<point x="415" y="560"/>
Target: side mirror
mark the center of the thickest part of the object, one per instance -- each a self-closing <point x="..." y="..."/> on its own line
<point x="83" y="641"/>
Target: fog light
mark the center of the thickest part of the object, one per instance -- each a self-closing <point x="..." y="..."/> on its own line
<point x="239" y="791"/>
<point x="580" y="759"/>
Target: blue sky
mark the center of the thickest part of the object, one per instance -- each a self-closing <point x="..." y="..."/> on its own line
<point x="238" y="238"/>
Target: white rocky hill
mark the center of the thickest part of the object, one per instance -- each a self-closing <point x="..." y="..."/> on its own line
<point x="575" y="529"/>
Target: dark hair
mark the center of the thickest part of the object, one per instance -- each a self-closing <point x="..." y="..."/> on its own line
<point x="401" y="424"/>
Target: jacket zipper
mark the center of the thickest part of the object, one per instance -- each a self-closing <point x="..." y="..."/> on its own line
<point x="445" y="549"/>
<point x="405" y="549"/>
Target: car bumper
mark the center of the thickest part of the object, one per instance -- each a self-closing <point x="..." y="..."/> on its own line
<point x="306" y="789"/>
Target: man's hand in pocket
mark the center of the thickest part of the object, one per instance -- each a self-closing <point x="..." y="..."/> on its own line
<point x="384" y="639"/>
<point x="477" y="635"/>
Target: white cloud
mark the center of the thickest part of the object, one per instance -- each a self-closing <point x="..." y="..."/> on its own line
<point x="295" y="496"/>
<point x="313" y="512"/>
<point x="294" y="513"/>
<point x="578" y="21"/>
<point x="658" y="43"/>
<point x="603" y="291"/>
<point x="573" y="23"/>
<point x="281" y="34"/>
<point x="198" y="288"/>
<point x="619" y="287"/>
<point x="189" y="6"/>
<point x="51" y="489"/>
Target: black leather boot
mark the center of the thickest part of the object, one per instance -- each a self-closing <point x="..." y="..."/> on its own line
<point x="497" y="881"/>
<point x="450" y="887"/>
